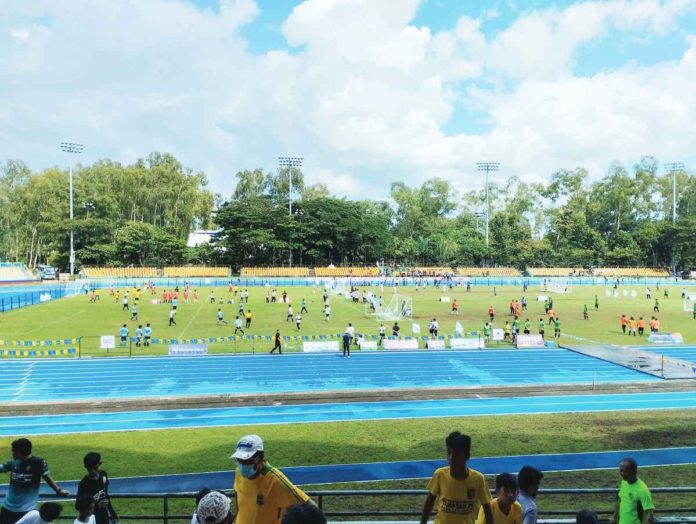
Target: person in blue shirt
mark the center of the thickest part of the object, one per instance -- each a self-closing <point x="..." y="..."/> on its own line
<point x="148" y="335"/>
<point x="134" y="312"/>
<point x="175" y="303"/>
<point x="26" y="472"/>
<point x="123" y="332"/>
<point x="138" y="336"/>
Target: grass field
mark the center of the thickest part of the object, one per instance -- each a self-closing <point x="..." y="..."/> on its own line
<point x="178" y="451"/>
<point x="77" y="317"/>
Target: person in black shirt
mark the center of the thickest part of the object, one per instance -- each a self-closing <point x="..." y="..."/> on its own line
<point x="277" y="343"/>
<point x="96" y="485"/>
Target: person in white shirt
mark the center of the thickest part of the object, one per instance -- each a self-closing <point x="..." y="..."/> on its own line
<point x="529" y="479"/>
<point x="298" y="321"/>
<point x="48" y="512"/>
<point x="84" y="504"/>
<point x="327" y="312"/>
<point x="290" y="315"/>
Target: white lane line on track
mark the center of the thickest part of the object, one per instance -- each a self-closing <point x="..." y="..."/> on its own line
<point x="229" y="413"/>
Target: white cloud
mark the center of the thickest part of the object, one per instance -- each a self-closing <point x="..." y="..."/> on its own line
<point x="363" y="96"/>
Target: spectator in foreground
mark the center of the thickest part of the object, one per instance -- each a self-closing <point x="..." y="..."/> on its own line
<point x="586" y="516"/>
<point x="304" y="514"/>
<point x="458" y="490"/>
<point x="264" y="494"/>
<point x="635" y="504"/>
<point x="505" y="508"/>
<point x="214" y="508"/>
<point x="199" y="496"/>
<point x="529" y="479"/>
<point x="26" y="472"/>
<point x="84" y="504"/>
<point x="96" y="485"/>
<point x="48" y="512"/>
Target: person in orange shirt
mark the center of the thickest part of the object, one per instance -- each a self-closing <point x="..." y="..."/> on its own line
<point x="632" y="326"/>
<point x="512" y="307"/>
<point x="623" y="323"/>
<point x="641" y="326"/>
<point x="491" y="313"/>
<point x="652" y="324"/>
<point x="551" y="315"/>
<point x="455" y="307"/>
<point x="657" y="325"/>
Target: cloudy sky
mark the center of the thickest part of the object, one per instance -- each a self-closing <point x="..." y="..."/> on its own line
<point x="367" y="91"/>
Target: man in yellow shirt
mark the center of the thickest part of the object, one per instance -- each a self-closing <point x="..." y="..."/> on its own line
<point x="458" y="490"/>
<point x="505" y="508"/>
<point x="263" y="493"/>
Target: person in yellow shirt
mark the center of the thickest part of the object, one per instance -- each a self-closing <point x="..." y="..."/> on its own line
<point x="263" y="493"/>
<point x="458" y="490"/>
<point x="505" y="508"/>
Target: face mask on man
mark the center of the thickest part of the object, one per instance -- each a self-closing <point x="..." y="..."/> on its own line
<point x="247" y="470"/>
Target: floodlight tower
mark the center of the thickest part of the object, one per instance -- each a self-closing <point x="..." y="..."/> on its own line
<point x="290" y="162"/>
<point x="672" y="168"/>
<point x="487" y="167"/>
<point x="72" y="149"/>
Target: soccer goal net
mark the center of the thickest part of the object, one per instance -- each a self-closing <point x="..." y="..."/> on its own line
<point x="557" y="286"/>
<point x="398" y="307"/>
<point x="76" y="287"/>
<point x="689" y="302"/>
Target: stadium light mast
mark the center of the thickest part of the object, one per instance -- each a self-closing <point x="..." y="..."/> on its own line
<point x="487" y="167"/>
<point x="290" y="162"/>
<point x="672" y="168"/>
<point x="71" y="148"/>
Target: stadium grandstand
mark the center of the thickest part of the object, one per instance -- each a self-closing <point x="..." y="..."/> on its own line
<point x="274" y="272"/>
<point x="630" y="272"/>
<point x="350" y="271"/>
<point x="119" y="272"/>
<point x="487" y="272"/>
<point x="432" y="271"/>
<point x="15" y="272"/>
<point x="555" y="271"/>
<point x="196" y="271"/>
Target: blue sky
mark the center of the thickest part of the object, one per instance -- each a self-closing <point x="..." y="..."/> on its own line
<point x="369" y="91"/>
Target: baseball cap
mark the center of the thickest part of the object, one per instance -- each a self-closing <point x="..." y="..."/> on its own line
<point x="213" y="508"/>
<point x="247" y="447"/>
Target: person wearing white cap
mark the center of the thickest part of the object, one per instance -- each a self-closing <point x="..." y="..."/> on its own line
<point x="263" y="493"/>
<point x="214" y="508"/>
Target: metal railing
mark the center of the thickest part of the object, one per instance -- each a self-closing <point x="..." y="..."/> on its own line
<point x="549" y="516"/>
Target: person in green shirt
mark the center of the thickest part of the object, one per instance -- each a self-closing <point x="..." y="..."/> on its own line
<point x="586" y="312"/>
<point x="527" y="327"/>
<point x="666" y="293"/>
<point x="542" y="327"/>
<point x="546" y="306"/>
<point x="694" y="310"/>
<point x="487" y="330"/>
<point x="656" y="308"/>
<point x="557" y="328"/>
<point x="596" y="302"/>
<point x="634" y="504"/>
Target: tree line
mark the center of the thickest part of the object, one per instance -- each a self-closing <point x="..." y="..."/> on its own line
<point x="141" y="214"/>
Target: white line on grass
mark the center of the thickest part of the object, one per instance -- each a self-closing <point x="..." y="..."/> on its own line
<point x="200" y="306"/>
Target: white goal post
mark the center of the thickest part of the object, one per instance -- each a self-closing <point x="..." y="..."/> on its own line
<point x="76" y="287"/>
<point x="557" y="285"/>
<point x="399" y="307"/>
<point x="689" y="302"/>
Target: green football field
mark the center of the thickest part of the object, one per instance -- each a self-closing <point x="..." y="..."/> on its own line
<point x="78" y="317"/>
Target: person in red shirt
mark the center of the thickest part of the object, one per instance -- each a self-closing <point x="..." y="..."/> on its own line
<point x="491" y="313"/>
<point x="624" y="321"/>
<point x="455" y="307"/>
<point x="164" y="295"/>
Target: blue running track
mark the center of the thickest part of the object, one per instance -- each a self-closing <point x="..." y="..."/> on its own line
<point x="111" y="378"/>
<point x="411" y="469"/>
<point x="305" y="413"/>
